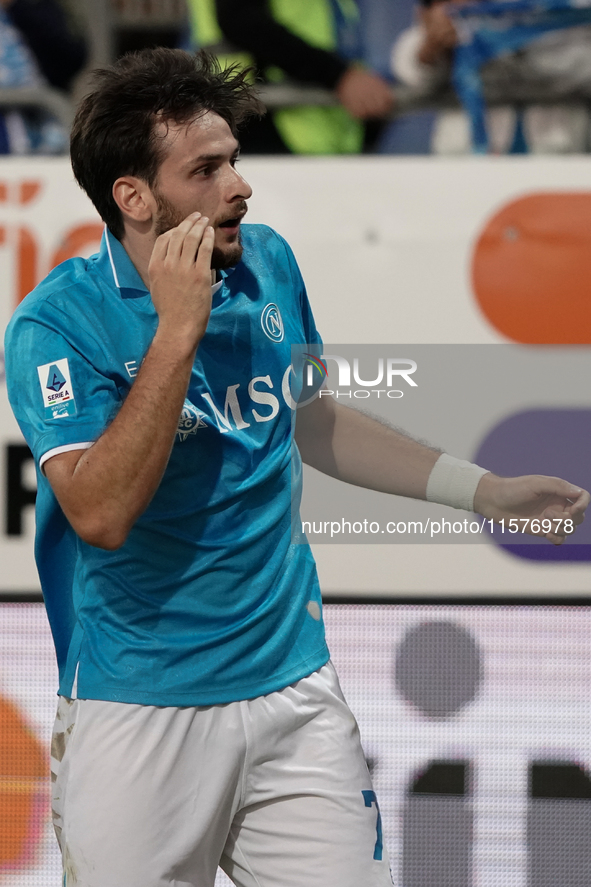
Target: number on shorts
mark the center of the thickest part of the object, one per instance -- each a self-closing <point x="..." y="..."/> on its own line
<point x="370" y="798"/>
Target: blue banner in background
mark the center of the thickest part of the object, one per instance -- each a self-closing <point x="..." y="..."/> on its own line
<point x="489" y="29"/>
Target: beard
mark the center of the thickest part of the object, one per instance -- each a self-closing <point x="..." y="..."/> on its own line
<point x="170" y="217"/>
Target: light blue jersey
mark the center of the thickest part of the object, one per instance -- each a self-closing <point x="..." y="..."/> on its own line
<point x="208" y="600"/>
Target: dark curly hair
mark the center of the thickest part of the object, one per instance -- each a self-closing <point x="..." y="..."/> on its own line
<point x="114" y="129"/>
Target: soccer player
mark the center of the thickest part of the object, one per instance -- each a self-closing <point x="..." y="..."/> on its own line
<point x="199" y="720"/>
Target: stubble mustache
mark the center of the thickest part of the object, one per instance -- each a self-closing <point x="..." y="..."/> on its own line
<point x="239" y="209"/>
<point x="169" y="217"/>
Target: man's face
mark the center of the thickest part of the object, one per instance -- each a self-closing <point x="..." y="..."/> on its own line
<point x="198" y="174"/>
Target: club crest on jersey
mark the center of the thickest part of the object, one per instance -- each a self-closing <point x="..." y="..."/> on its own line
<point x="56" y="388"/>
<point x="190" y="420"/>
<point x="272" y="322"/>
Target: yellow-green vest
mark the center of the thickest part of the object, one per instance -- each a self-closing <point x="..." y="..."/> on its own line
<point x="305" y="129"/>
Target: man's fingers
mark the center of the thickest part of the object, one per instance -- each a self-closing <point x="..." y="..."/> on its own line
<point x="564" y="524"/>
<point x="181" y="248"/>
<point x="179" y="234"/>
<point x="575" y="506"/>
<point x="192" y="242"/>
<point x="557" y="534"/>
<point x="556" y="486"/>
<point x="203" y="263"/>
<point x="548" y="506"/>
<point x="575" y="500"/>
<point x="160" y="249"/>
<point x="554" y="523"/>
<point x="579" y="501"/>
<point x="558" y="513"/>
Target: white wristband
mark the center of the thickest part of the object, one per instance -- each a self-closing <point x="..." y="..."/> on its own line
<point x="453" y="482"/>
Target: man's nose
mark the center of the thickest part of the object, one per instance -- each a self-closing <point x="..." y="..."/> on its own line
<point x="238" y="187"/>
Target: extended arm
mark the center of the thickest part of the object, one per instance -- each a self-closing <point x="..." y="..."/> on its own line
<point x="439" y="36"/>
<point x="250" y="25"/>
<point x="104" y="489"/>
<point x="359" y="450"/>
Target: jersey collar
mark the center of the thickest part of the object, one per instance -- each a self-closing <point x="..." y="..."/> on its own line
<point x="119" y="268"/>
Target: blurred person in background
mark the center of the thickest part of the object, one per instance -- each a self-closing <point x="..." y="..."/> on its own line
<point x="557" y="64"/>
<point x="39" y="46"/>
<point x="301" y="42"/>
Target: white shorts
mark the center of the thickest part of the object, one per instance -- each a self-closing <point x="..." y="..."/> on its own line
<point x="274" y="789"/>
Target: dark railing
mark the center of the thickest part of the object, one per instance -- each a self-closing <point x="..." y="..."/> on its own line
<point x="407" y="100"/>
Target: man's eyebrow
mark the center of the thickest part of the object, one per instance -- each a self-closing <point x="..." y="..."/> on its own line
<point x="209" y="158"/>
<point x="206" y="157"/>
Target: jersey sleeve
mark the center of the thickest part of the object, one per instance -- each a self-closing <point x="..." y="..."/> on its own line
<point x="311" y="333"/>
<point x="309" y="370"/>
<point x="58" y="392"/>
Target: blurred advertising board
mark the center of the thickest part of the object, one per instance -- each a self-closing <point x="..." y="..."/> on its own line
<point x="475" y="721"/>
<point x="423" y="251"/>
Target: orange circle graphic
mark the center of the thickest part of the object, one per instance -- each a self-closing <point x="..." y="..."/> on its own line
<point x="23" y="782"/>
<point x="531" y="269"/>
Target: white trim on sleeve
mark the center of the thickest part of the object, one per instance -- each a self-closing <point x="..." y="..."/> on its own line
<point x="67" y="448"/>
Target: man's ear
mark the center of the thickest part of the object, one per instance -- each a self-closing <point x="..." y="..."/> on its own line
<point x="134" y="198"/>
